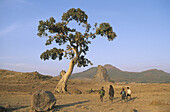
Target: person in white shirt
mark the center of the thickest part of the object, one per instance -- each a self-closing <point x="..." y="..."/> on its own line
<point x="128" y="93"/>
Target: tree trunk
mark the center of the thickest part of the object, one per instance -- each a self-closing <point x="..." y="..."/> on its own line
<point x="62" y="84"/>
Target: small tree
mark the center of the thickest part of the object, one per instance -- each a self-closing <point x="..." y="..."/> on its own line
<point x="76" y="42"/>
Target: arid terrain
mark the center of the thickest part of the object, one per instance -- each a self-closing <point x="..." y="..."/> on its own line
<point x="16" y="90"/>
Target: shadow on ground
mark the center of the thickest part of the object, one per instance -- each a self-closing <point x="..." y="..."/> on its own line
<point x="56" y="108"/>
<point x="132" y="99"/>
<point x="115" y="98"/>
<point x="16" y="108"/>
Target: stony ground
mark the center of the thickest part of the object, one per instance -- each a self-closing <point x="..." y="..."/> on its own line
<point x="15" y="96"/>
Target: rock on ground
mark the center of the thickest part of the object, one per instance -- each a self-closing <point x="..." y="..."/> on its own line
<point x="42" y="100"/>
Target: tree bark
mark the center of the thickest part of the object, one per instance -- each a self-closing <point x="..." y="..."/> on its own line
<point x="62" y="84"/>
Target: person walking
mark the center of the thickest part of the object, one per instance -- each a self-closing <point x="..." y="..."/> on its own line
<point x="128" y="93"/>
<point x="102" y="93"/>
<point x="111" y="93"/>
<point x="123" y="93"/>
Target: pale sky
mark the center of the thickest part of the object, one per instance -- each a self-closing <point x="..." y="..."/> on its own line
<point x="142" y="28"/>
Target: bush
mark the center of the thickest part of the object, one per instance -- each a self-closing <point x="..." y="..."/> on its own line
<point x="112" y="81"/>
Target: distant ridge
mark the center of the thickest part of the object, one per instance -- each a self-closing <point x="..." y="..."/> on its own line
<point x="148" y="76"/>
<point x="20" y="76"/>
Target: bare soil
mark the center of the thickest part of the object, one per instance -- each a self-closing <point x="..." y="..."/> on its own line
<point x="15" y="96"/>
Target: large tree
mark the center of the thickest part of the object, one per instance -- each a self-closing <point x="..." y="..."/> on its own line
<point x="75" y="42"/>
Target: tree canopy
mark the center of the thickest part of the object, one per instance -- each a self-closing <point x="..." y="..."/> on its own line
<point x="76" y="42"/>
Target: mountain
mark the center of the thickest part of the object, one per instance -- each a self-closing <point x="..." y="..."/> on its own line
<point x="149" y="76"/>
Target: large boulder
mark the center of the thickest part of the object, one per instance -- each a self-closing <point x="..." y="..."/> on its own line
<point x="101" y="75"/>
<point x="42" y="100"/>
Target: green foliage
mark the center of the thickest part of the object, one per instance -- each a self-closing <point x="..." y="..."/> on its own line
<point x="76" y="42"/>
<point x="83" y="62"/>
<point x="106" y="30"/>
<point x="53" y="54"/>
<point x="75" y="14"/>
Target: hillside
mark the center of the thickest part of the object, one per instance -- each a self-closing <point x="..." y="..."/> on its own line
<point x="149" y="76"/>
<point x="88" y="74"/>
<point x="7" y="75"/>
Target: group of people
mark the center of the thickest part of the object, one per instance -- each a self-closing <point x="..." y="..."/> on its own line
<point x="124" y="96"/>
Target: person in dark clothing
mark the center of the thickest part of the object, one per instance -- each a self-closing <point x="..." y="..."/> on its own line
<point x="123" y="93"/>
<point x="102" y="93"/>
<point x="111" y="93"/>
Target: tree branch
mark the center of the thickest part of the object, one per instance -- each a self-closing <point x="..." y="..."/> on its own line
<point x="91" y="35"/>
<point x="81" y="50"/>
<point x="71" y="43"/>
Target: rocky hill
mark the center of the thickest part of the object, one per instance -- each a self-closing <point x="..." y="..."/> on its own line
<point x="149" y="76"/>
<point x="101" y="75"/>
<point x="7" y="75"/>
